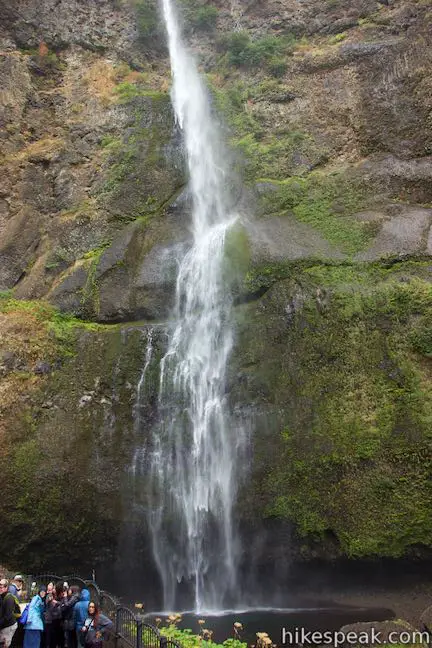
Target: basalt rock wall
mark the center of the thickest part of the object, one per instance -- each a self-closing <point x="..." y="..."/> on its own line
<point x="326" y="107"/>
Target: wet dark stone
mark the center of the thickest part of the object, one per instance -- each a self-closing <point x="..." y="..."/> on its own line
<point x="42" y="368"/>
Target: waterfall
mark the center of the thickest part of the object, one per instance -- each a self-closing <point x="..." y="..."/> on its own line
<point x="139" y="454"/>
<point x="195" y="448"/>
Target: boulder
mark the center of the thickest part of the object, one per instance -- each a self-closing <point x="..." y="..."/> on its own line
<point x="283" y="238"/>
<point x="377" y="633"/>
<point x="405" y="233"/>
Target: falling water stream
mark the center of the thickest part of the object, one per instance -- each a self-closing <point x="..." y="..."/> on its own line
<point x="190" y="458"/>
<point x="195" y="448"/>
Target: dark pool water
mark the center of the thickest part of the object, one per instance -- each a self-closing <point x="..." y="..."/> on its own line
<point x="327" y="617"/>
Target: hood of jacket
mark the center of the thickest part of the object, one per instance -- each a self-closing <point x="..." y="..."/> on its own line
<point x="85" y="595"/>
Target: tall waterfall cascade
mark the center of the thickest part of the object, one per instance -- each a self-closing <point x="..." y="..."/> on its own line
<point x="195" y="449"/>
<point x="139" y="454"/>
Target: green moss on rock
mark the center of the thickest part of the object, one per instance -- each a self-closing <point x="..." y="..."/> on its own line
<point x="333" y="355"/>
<point x="325" y="201"/>
<point x="237" y="254"/>
<point x="243" y="51"/>
<point x="72" y="443"/>
<point x="54" y="332"/>
<point x="276" y="152"/>
<point x="145" y="167"/>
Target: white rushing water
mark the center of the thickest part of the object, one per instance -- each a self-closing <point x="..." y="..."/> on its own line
<point x="139" y="454"/>
<point x="195" y="449"/>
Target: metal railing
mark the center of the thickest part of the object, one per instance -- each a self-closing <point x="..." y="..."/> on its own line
<point x="129" y="629"/>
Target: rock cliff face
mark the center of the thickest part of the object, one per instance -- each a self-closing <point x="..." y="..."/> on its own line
<point x="327" y="107"/>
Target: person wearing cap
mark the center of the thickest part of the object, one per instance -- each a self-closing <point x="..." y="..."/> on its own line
<point x="34" y="627"/>
<point x="8" y="622"/>
<point x="16" y="587"/>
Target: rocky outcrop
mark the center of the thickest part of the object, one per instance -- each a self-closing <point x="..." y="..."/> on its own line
<point x="90" y="143"/>
<point x="96" y="26"/>
<point x="84" y="150"/>
<point x="332" y="367"/>
<point x="406" y="233"/>
<point x="277" y="238"/>
<point x="375" y="633"/>
<point x="131" y="280"/>
<point x="68" y="434"/>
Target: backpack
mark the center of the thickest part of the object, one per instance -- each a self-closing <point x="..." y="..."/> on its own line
<point x="24" y="616"/>
<point x="84" y="632"/>
<point x="17" y="609"/>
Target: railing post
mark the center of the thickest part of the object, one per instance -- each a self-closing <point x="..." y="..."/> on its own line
<point x="116" y="625"/>
<point x="117" y="620"/>
<point x="139" y="623"/>
<point x="162" y="641"/>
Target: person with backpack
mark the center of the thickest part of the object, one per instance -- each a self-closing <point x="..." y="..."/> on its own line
<point x="95" y="627"/>
<point x="9" y="613"/>
<point x="34" y="625"/>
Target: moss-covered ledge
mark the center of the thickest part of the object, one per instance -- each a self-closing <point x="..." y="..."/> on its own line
<point x="260" y="277"/>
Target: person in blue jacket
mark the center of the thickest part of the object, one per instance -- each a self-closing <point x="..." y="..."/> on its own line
<point x="34" y="627"/>
<point x="80" y="612"/>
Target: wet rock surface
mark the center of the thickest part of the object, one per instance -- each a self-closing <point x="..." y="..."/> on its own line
<point x="332" y="353"/>
<point x="284" y="239"/>
<point x="83" y="159"/>
<point x="405" y="233"/>
<point x="383" y="632"/>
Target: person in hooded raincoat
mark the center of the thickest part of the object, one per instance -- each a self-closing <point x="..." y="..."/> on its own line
<point x="80" y="612"/>
<point x="35" y="623"/>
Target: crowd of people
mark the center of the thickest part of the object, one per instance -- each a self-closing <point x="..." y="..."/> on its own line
<point x="57" y="616"/>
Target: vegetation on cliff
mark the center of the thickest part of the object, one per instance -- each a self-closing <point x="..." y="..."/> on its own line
<point x="44" y="455"/>
<point x="340" y="355"/>
<point x="327" y="111"/>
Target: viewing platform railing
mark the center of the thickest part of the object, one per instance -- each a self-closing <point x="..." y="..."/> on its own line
<point x="129" y="628"/>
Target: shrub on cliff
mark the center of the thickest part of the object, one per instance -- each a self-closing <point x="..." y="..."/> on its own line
<point x="148" y="23"/>
<point x="242" y="50"/>
<point x="197" y="16"/>
<point x="205" y="18"/>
